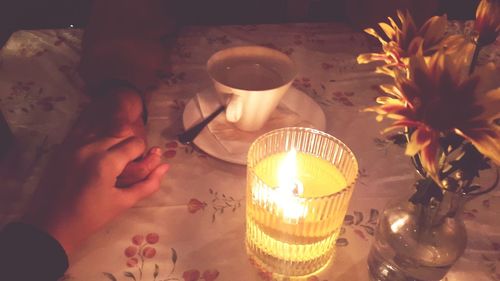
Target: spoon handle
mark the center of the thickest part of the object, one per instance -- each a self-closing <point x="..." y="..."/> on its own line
<point x="190" y="134"/>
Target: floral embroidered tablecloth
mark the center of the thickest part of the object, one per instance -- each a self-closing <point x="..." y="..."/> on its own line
<point x="193" y="228"/>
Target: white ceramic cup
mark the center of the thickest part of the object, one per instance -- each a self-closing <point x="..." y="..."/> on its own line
<point x="251" y="80"/>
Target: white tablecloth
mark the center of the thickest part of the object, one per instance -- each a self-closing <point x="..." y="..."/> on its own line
<point x="199" y="213"/>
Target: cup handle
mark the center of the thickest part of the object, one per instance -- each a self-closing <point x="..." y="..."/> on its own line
<point x="234" y="108"/>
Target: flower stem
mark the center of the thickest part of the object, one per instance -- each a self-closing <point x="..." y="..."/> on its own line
<point x="475" y="56"/>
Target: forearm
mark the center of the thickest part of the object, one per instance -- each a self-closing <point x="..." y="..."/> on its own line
<point x="28" y="253"/>
<point x="125" y="39"/>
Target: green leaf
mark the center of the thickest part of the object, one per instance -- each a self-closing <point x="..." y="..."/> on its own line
<point x="358" y="216"/>
<point x="110" y="276"/>
<point x="380" y="142"/>
<point x="342" y="242"/>
<point x="471" y="162"/>
<point x="129" y="275"/>
<point x="398" y="139"/>
<point x="157" y="271"/>
<point x="426" y="190"/>
<point x="370" y="230"/>
<point x="373" y="216"/>
<point x="348" y="220"/>
<point x="451" y="142"/>
<point x="471" y="188"/>
<point x="174" y="256"/>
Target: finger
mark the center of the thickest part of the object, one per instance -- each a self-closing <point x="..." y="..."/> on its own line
<point x="124" y="106"/>
<point x="107" y="115"/>
<point x="104" y="143"/>
<point x="138" y="170"/>
<point x="146" y="187"/>
<point x="124" y="152"/>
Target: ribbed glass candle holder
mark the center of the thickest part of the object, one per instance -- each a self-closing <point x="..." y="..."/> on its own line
<point x="292" y="232"/>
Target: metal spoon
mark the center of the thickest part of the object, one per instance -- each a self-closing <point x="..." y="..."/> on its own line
<point x="190" y="134"/>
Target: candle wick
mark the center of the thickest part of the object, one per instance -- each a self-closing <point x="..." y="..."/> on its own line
<point x="298" y="189"/>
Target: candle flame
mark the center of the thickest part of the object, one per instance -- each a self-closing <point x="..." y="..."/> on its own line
<point x="286" y="195"/>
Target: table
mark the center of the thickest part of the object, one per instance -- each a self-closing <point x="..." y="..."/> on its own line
<point x="193" y="228"/>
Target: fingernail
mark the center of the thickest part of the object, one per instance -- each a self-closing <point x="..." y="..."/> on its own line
<point x="156" y="150"/>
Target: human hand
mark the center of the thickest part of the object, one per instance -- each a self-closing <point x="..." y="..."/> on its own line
<point x="112" y="114"/>
<point x="79" y="194"/>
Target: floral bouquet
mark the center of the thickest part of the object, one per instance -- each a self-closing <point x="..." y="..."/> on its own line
<point x="446" y="106"/>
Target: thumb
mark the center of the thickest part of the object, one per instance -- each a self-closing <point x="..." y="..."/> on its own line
<point x="146" y="187"/>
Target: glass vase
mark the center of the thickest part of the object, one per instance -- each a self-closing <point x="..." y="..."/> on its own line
<point x="415" y="242"/>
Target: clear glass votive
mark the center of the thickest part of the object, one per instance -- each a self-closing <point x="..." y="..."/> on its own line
<point x="299" y="183"/>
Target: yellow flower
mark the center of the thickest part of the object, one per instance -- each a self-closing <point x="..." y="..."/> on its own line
<point x="401" y="41"/>
<point x="436" y="99"/>
<point x="487" y="22"/>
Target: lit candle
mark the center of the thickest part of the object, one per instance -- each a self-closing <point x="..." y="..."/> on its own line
<point x="286" y="195"/>
<point x="296" y="202"/>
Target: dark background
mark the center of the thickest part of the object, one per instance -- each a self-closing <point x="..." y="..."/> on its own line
<point x="39" y="14"/>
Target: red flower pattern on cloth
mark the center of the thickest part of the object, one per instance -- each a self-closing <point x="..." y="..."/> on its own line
<point x="195" y="205"/>
<point x="28" y="96"/>
<point x="169" y="78"/>
<point x="29" y="50"/>
<point x="210" y="275"/>
<point x="194" y="275"/>
<point x="132" y="262"/>
<point x="172" y="147"/>
<point x="130" y="251"/>
<point x="141" y="252"/>
<point x="191" y="275"/>
<point x="137" y="239"/>
<point x="152" y="238"/>
<point x="303" y="82"/>
<point x="148" y="252"/>
<point x="219" y="203"/>
<point x="343" y="98"/>
<point x="141" y="249"/>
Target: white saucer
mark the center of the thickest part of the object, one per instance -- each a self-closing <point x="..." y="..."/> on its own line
<point x="295" y="100"/>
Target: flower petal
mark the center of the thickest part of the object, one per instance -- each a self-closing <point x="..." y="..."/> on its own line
<point x="393" y="24"/>
<point x="418" y="140"/>
<point x="416" y="45"/>
<point x="391" y="90"/>
<point x="428" y="155"/>
<point x="486" y="141"/>
<point x="388" y="30"/>
<point x="370" y="57"/>
<point x="374" y="33"/>
<point x="433" y="29"/>
<point x="386" y="71"/>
